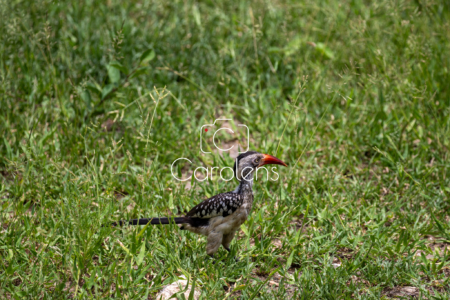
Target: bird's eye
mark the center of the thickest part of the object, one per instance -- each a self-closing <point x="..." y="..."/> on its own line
<point x="256" y="160"/>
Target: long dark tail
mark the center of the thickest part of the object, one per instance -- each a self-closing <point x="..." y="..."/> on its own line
<point x="153" y="221"/>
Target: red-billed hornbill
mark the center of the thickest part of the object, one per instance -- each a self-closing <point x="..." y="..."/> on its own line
<point x="219" y="217"/>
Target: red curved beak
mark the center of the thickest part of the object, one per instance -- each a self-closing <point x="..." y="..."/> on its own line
<point x="269" y="159"/>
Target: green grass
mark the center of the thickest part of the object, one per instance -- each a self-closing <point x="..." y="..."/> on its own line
<point x="98" y="98"/>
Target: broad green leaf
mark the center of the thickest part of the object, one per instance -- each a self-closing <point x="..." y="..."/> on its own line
<point x="324" y="50"/>
<point x="107" y="89"/>
<point x="290" y="259"/>
<point x="86" y="96"/>
<point x="171" y="206"/>
<point x="147" y="56"/>
<point x="141" y="255"/>
<point x="10" y="255"/>
<point x="94" y="87"/>
<point x="113" y="73"/>
<point x="244" y="229"/>
<point x="119" y="67"/>
<point x="8" y="147"/>
<point x="196" y="14"/>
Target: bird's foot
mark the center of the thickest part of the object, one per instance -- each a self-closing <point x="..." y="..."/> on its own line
<point x="213" y="259"/>
<point x="229" y="251"/>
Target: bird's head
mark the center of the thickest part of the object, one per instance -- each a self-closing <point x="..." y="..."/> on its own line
<point x="246" y="163"/>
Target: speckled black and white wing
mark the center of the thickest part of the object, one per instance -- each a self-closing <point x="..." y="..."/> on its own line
<point x="220" y="205"/>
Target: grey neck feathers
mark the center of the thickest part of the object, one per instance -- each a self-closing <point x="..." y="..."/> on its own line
<point x="245" y="186"/>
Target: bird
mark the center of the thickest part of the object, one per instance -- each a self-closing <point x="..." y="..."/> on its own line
<point x="220" y="217"/>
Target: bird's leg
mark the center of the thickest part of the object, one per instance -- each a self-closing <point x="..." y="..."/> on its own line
<point x="226" y="241"/>
<point x="213" y="242"/>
